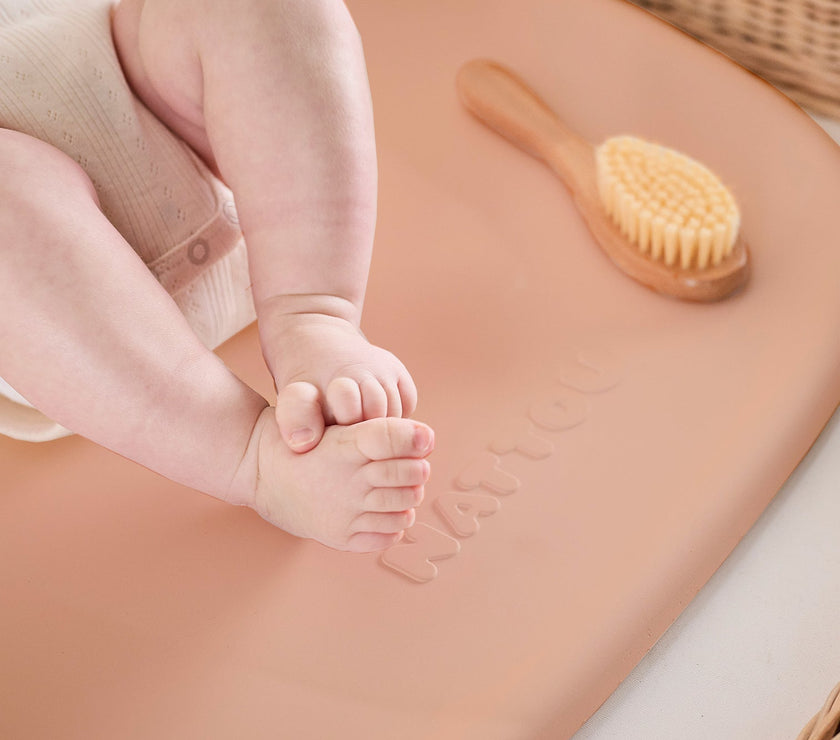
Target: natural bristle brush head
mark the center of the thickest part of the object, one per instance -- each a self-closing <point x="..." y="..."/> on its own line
<point x="671" y="207"/>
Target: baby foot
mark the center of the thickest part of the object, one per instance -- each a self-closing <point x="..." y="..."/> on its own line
<point x="357" y="490"/>
<point x="326" y="372"/>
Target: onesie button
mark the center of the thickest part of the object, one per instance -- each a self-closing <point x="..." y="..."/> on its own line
<point x="198" y="252"/>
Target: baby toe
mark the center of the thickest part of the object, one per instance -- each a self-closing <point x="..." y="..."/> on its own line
<point x="374" y="398"/>
<point x="394" y="499"/>
<point x="397" y="473"/>
<point x="344" y="401"/>
<point x="408" y="394"/>
<point x="395" y="405"/>
<point x="387" y="438"/>
<point x="372" y="541"/>
<point x="384" y="523"/>
<point x="299" y="416"/>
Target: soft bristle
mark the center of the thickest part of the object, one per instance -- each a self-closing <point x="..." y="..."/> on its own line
<point x="670" y="206"/>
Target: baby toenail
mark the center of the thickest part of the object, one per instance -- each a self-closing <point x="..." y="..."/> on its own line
<point x="423" y="439"/>
<point x="301" y="436"/>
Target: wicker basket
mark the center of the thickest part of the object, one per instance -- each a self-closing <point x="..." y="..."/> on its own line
<point x="824" y="724"/>
<point x="794" y="44"/>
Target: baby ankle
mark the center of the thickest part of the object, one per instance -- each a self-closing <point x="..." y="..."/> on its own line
<point x="242" y="490"/>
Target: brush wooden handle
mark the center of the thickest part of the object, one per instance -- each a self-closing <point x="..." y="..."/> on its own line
<point x="505" y="103"/>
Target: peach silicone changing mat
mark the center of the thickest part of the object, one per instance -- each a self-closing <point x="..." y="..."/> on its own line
<point x="601" y="449"/>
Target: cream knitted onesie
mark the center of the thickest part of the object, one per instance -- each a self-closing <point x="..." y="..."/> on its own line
<point x="61" y="82"/>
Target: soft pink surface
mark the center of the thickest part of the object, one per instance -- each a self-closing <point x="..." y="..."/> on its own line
<point x="656" y="431"/>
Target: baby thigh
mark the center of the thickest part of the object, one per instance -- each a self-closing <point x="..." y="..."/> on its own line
<point x="92" y="340"/>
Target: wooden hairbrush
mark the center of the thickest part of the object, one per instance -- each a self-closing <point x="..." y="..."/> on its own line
<point x="662" y="217"/>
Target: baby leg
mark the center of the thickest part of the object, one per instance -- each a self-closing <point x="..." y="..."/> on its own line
<point x="94" y="341"/>
<point x="274" y="96"/>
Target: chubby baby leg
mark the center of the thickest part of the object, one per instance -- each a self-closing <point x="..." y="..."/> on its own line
<point x="91" y="338"/>
<point x="357" y="490"/>
<point x="274" y="95"/>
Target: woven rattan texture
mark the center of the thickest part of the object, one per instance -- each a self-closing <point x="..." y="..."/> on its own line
<point x="795" y="44"/>
<point x="824" y="724"/>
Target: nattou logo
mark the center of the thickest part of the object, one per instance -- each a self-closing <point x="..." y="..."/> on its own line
<point x="481" y="485"/>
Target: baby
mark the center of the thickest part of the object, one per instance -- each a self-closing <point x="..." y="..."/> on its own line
<point x="272" y="97"/>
